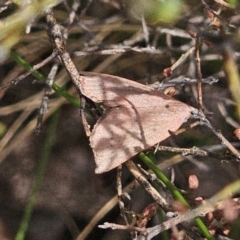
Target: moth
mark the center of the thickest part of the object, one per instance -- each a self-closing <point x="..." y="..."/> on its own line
<point x="135" y="118"/>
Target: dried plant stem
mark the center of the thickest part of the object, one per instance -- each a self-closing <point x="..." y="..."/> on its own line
<point x="31" y="70"/>
<point x="226" y="116"/>
<point x="121" y="227"/>
<point x="119" y="49"/>
<point x="125" y="210"/>
<point x="71" y="17"/>
<point x="47" y="92"/>
<point x="34" y="68"/>
<point x="13" y="129"/>
<point x="184" y="151"/>
<point x="53" y="72"/>
<point x="58" y="41"/>
<point x="57" y="38"/>
<point x="223" y="3"/>
<point x="147" y="186"/>
<point x="100" y="214"/>
<point x="219" y="134"/>
<point x="175" y="192"/>
<point x="20" y="61"/>
<point x="199" y="74"/>
<point x="207" y="206"/>
<point x="182" y="58"/>
<point x="119" y="181"/>
<point x="181" y="81"/>
<point x="214" y="203"/>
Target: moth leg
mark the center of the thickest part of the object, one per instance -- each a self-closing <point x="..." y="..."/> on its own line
<point x="86" y="126"/>
<point x="87" y="105"/>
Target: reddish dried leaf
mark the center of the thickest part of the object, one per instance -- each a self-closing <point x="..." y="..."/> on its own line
<point x="167" y="72"/>
<point x="136" y="118"/>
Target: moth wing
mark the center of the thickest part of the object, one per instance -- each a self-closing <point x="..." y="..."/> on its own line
<point x="115" y="138"/>
<point x="130" y="128"/>
<point x="103" y="87"/>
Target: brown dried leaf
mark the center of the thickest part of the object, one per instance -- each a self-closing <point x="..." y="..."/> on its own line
<point x="147" y="214"/>
<point x="136" y="118"/>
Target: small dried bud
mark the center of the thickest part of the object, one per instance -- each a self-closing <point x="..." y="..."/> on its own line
<point x="147" y="214"/>
<point x="210" y="217"/>
<point x="226" y="230"/>
<point x="210" y="15"/>
<point x="198" y="199"/>
<point x="193" y="182"/>
<point x="237" y="133"/>
<point x="170" y="91"/>
<point x="167" y="72"/>
<point x="179" y="207"/>
<point x="192" y="33"/>
<point x="230" y="211"/>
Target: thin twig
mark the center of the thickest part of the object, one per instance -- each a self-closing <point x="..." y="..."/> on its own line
<point x="125" y="210"/>
<point x="181" y="81"/>
<point x="218" y="133"/>
<point x="5" y="6"/>
<point x="223" y="3"/>
<point x="23" y="133"/>
<point x="184" y="151"/>
<point x="121" y="227"/>
<point x="199" y="74"/>
<point x="47" y="92"/>
<point x="58" y="41"/>
<point x="119" y="49"/>
<point x="145" y="30"/>
<point x="71" y="17"/>
<point x="153" y="178"/>
<point x="183" y="129"/>
<point x="182" y="58"/>
<point x="174" y="32"/>
<point x="226" y="116"/>
<point x="33" y="69"/>
<point x="13" y="129"/>
<point x="147" y="186"/>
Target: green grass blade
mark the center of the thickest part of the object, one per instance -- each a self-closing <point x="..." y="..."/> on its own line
<point x="39" y="76"/>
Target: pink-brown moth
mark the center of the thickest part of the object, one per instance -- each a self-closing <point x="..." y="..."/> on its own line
<point x="136" y="117"/>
